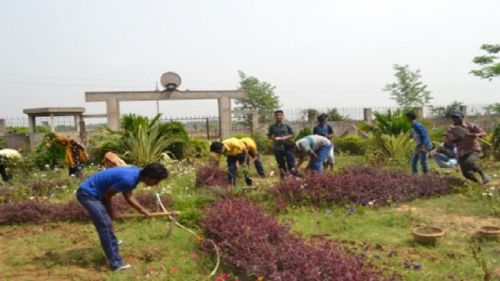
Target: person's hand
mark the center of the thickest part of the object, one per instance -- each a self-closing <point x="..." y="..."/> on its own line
<point x="278" y="138"/>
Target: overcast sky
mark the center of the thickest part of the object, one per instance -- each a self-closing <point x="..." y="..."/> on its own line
<point x="317" y="53"/>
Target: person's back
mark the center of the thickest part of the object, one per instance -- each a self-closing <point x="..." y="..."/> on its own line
<point x="120" y="178"/>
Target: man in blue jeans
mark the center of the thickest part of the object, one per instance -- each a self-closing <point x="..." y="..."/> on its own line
<point x="424" y="144"/>
<point x="318" y="148"/>
<point x="95" y="195"/>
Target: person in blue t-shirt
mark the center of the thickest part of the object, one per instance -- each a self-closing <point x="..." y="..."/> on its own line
<point x="95" y="195"/>
<point x="324" y="129"/>
<point x="424" y="144"/>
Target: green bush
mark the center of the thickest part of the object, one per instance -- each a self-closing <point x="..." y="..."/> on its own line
<point x="49" y="152"/>
<point x="196" y="148"/>
<point x="264" y="144"/>
<point x="303" y="133"/>
<point x="351" y="144"/>
<point x="390" y="149"/>
<point x="176" y="132"/>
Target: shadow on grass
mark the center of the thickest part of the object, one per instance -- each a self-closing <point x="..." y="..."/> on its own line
<point x="89" y="258"/>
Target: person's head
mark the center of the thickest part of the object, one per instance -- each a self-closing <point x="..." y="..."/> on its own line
<point x="411" y="116"/>
<point x="217" y="147"/>
<point x="153" y="173"/>
<point x="457" y="117"/>
<point x="322" y="118"/>
<point x="279" y="115"/>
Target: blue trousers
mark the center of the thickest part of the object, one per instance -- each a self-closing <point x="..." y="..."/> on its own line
<point x="103" y="225"/>
<point x="323" y="153"/>
<point x="421" y="156"/>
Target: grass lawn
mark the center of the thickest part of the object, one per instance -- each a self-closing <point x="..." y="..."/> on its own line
<point x="71" y="251"/>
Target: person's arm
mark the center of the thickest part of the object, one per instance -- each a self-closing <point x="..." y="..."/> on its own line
<point x="108" y="203"/>
<point x="214" y="162"/>
<point x="300" y="161"/>
<point x="270" y="133"/>
<point x="330" y="132"/>
<point x="476" y="131"/>
<point x="134" y="203"/>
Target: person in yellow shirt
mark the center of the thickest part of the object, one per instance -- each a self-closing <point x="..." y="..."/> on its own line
<point x="254" y="157"/>
<point x="235" y="152"/>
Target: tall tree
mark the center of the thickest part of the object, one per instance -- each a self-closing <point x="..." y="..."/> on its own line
<point x="490" y="64"/>
<point x="408" y="91"/>
<point x="260" y="97"/>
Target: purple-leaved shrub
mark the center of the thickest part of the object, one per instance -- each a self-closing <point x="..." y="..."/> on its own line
<point x="203" y="177"/>
<point x="362" y="185"/>
<point x="255" y="245"/>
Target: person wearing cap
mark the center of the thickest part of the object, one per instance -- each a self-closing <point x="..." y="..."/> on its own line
<point x="279" y="133"/>
<point x="465" y="135"/>
<point x="324" y="129"/>
<point x="424" y="144"/>
<point x="95" y="195"/>
<point x="254" y="156"/>
<point x="236" y="153"/>
<point x="318" y="148"/>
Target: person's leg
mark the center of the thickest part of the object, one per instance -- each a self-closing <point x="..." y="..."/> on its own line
<point x="424" y="156"/>
<point x="414" y="162"/>
<point x="466" y="169"/>
<point x="441" y="160"/>
<point x="322" y="152"/>
<point x="279" y="155"/>
<point x="259" y="167"/>
<point x="471" y="162"/>
<point x="5" y="177"/>
<point x="232" y="169"/>
<point x="102" y="222"/>
<point x="290" y="161"/>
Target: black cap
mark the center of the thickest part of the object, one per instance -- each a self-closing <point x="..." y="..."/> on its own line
<point x="458" y="114"/>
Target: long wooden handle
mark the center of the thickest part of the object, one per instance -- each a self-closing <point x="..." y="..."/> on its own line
<point x="153" y="215"/>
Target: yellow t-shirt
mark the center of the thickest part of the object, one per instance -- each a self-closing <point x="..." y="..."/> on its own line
<point x="251" y="146"/>
<point x="233" y="147"/>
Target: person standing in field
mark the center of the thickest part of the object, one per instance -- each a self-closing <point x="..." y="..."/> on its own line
<point x="279" y="133"/>
<point x="424" y="144"/>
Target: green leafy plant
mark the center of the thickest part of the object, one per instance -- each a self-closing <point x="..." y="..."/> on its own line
<point x="388" y="123"/>
<point x="408" y="91"/>
<point x="351" y="144"/>
<point x="490" y="66"/>
<point x="303" y="133"/>
<point x="334" y="115"/>
<point x="390" y="149"/>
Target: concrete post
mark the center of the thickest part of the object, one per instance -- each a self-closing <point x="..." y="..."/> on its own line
<point x="113" y="110"/>
<point x="367" y="115"/>
<point x="419" y="111"/>
<point x="3" y="127"/>
<point x="224" y="117"/>
<point x="32" y="124"/>
<point x="463" y="108"/>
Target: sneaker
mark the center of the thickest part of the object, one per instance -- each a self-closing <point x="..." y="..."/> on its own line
<point x="119" y="242"/>
<point x="123" y="267"/>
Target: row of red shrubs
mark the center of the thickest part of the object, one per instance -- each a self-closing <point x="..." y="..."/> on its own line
<point x="256" y="246"/>
<point x="32" y="211"/>
<point x="362" y="185"/>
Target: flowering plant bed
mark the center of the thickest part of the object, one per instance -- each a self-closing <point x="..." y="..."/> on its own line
<point x="257" y="247"/>
<point x="31" y="211"/>
<point x="361" y="185"/>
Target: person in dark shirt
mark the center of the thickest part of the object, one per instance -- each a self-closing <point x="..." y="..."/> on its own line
<point x="95" y="194"/>
<point x="324" y="129"/>
<point x="280" y="132"/>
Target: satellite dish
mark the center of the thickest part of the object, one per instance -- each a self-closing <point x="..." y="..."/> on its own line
<point x="170" y="81"/>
